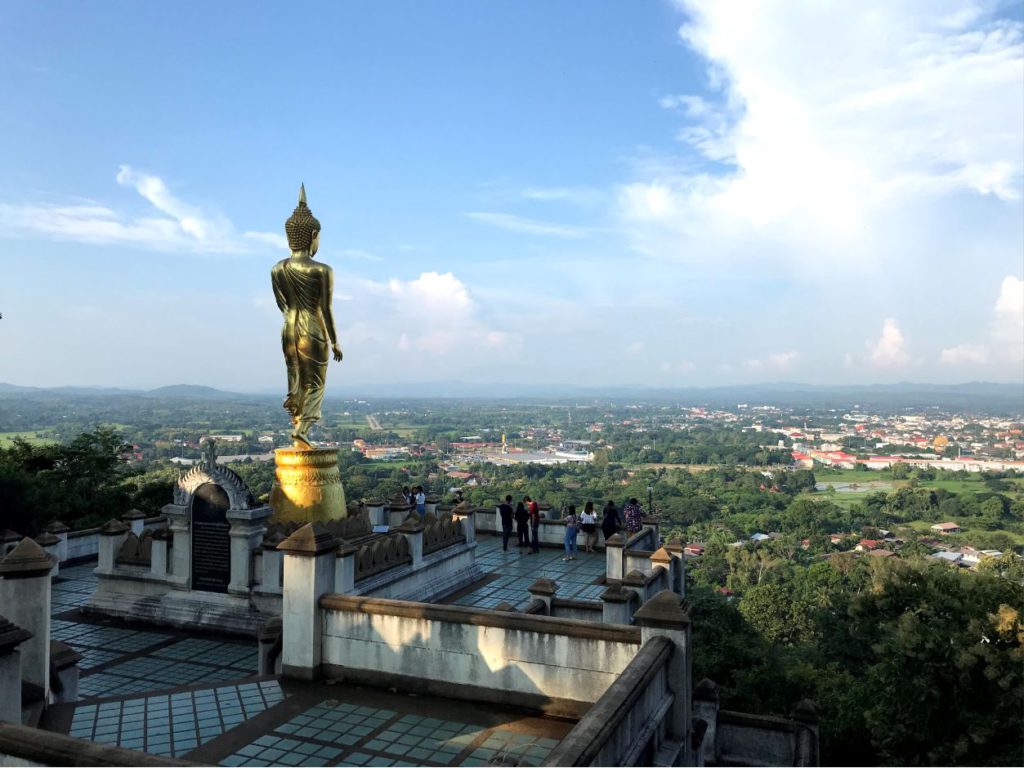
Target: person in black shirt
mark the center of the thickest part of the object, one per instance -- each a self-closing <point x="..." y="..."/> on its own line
<point x="505" y="511"/>
<point x="522" y="531"/>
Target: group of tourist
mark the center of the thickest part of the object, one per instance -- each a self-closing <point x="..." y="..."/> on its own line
<point x="415" y="496"/>
<point x="525" y="520"/>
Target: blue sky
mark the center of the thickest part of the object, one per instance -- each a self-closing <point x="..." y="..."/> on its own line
<point x="598" y="193"/>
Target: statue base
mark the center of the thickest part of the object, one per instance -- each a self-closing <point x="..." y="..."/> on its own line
<point x="308" y="487"/>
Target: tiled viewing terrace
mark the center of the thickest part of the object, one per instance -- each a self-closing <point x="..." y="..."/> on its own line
<point x="179" y="694"/>
<point x="515" y="571"/>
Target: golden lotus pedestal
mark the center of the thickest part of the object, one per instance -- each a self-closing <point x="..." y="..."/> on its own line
<point x="308" y="487"/>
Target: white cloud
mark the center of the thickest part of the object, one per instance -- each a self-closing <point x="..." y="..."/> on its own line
<point x="181" y="227"/>
<point x="964" y="354"/>
<point x="890" y="351"/>
<point x="1006" y="342"/>
<point x="515" y="223"/>
<point x="431" y="320"/>
<point x="832" y="120"/>
<point x="776" y="362"/>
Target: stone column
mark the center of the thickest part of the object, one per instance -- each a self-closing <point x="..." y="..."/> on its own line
<point x="309" y="560"/>
<point x="25" y="597"/>
<point x="807" y="736"/>
<point x="269" y="638"/>
<point x="705" y="707"/>
<point x="544" y="590"/>
<point x="412" y="529"/>
<point x="676" y="548"/>
<point x="64" y="672"/>
<point x="247" y="531"/>
<point x="617" y="605"/>
<point x="636" y="582"/>
<point x="375" y="509"/>
<point x="8" y="540"/>
<point x="466" y="517"/>
<point x="112" y="537"/>
<point x="50" y="545"/>
<point x="655" y="534"/>
<point x="272" y="564"/>
<point x="136" y="520"/>
<point x="430" y="505"/>
<point x="398" y="514"/>
<point x="158" y="557"/>
<point x="662" y="558"/>
<point x="668" y="615"/>
<point x="614" y="549"/>
<point x="345" y="570"/>
<point x="11" y="636"/>
<point x="181" y="549"/>
<point x="58" y="529"/>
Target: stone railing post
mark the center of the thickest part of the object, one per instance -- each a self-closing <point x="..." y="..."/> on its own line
<point x="667" y="615"/>
<point x="676" y="548"/>
<point x="430" y="505"/>
<point x="375" y="509"/>
<point x="412" y="530"/>
<point x="345" y="570"/>
<point x="651" y="523"/>
<point x="617" y="605"/>
<point x="64" y="672"/>
<point x="8" y="540"/>
<point x="662" y="558"/>
<point x="25" y="597"/>
<point x="636" y="582"/>
<point x="614" y="552"/>
<point x="51" y="546"/>
<point x="544" y="590"/>
<point x="112" y="536"/>
<point x="705" y="707"/>
<point x="269" y="638"/>
<point x="399" y="513"/>
<point x="247" y="531"/>
<point x="11" y="636"/>
<point x="58" y="529"/>
<point x="181" y="549"/>
<point x="467" y="517"/>
<point x="807" y="736"/>
<point x="136" y="520"/>
<point x="271" y="563"/>
<point x="308" y="575"/>
<point x="158" y="555"/>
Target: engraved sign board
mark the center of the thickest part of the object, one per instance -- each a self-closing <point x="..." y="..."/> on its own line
<point x="211" y="539"/>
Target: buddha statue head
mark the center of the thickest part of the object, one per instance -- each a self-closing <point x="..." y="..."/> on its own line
<point x="302" y="227"/>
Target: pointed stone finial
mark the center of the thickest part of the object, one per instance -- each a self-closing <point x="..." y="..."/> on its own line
<point x="26" y="560"/>
<point x="311" y="539"/>
<point x="302" y="193"/>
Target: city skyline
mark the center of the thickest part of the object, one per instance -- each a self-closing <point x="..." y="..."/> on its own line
<point x="602" y="194"/>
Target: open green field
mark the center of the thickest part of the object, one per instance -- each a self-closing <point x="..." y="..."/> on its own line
<point x="36" y="438"/>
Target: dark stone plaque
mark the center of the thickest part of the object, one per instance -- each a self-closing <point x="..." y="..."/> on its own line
<point x="211" y="540"/>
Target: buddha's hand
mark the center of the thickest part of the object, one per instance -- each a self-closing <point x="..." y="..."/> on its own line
<point x="337" y="354"/>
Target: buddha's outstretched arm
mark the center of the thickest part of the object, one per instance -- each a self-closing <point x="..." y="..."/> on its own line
<point x="328" y="313"/>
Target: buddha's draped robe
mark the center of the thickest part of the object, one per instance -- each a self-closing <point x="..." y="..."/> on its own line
<point x="300" y="287"/>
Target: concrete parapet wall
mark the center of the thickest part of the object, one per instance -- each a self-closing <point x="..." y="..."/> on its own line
<point x="21" y="745"/>
<point x="626" y="725"/>
<point x="745" y="739"/>
<point x="511" y="657"/>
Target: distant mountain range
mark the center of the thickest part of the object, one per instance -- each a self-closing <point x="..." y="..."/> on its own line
<point x="905" y="394"/>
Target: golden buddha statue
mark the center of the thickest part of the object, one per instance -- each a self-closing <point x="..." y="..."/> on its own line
<point x="304" y="290"/>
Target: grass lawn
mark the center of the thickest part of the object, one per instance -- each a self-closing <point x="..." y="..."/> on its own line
<point x="36" y="438"/>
